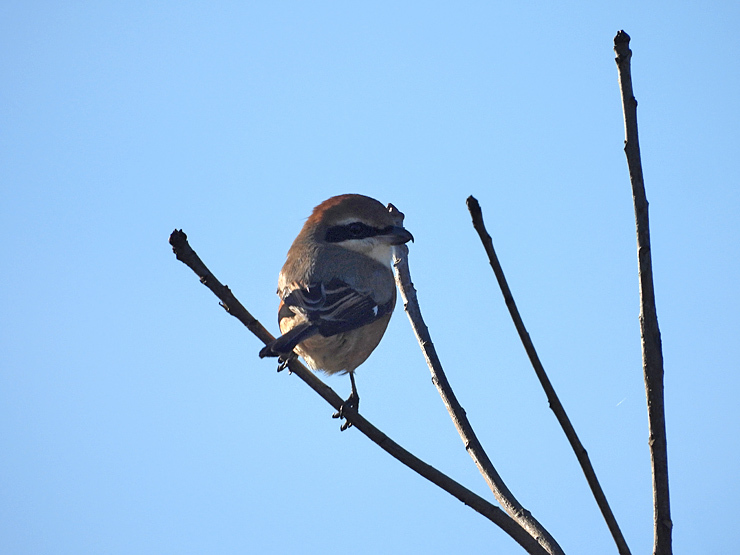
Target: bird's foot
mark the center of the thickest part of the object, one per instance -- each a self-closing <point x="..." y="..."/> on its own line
<point x="284" y="361"/>
<point x="350" y="406"/>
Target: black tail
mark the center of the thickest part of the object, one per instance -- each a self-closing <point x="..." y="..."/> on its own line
<point x="285" y="344"/>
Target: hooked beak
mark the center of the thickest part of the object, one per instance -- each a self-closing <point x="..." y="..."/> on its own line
<point x="398" y="235"/>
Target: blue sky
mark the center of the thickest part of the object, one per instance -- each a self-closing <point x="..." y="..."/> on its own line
<point x="135" y="415"/>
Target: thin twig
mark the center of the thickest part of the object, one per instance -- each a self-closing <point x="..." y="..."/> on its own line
<point x="187" y="255"/>
<point x="552" y="398"/>
<point x="652" y="351"/>
<point x="459" y="418"/>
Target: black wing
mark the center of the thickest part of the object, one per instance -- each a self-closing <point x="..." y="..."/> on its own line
<point x="329" y="309"/>
<point x="335" y="307"/>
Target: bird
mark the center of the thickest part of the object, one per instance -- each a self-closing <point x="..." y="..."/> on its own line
<point x="336" y="288"/>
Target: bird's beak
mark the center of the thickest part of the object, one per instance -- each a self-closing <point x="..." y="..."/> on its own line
<point x="398" y="235"/>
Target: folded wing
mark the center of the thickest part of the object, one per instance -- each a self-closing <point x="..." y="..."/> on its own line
<point x="327" y="309"/>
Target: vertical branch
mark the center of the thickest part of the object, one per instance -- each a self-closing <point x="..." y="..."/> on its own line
<point x="652" y="352"/>
<point x="552" y="397"/>
<point x="474" y="448"/>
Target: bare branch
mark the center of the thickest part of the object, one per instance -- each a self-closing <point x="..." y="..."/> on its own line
<point x="459" y="418"/>
<point x="652" y="351"/>
<point x="552" y="398"/>
<point x="187" y="255"/>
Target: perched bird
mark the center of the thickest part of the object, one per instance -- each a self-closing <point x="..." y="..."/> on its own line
<point x="336" y="288"/>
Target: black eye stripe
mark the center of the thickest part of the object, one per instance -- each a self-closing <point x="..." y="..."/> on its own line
<point x="353" y="230"/>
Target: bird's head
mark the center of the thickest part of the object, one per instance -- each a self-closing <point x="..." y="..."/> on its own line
<point x="357" y="223"/>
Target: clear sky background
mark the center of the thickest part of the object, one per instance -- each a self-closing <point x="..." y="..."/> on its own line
<point x="135" y="415"/>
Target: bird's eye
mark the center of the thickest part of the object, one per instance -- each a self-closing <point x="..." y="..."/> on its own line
<point x="356" y="229"/>
<point x="352" y="230"/>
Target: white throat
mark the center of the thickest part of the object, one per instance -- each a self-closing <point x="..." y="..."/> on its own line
<point x="376" y="249"/>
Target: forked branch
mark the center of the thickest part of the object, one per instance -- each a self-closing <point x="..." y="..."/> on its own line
<point x="459" y="418"/>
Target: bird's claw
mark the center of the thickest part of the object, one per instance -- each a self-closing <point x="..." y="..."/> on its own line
<point x="350" y="406"/>
<point x="284" y="361"/>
